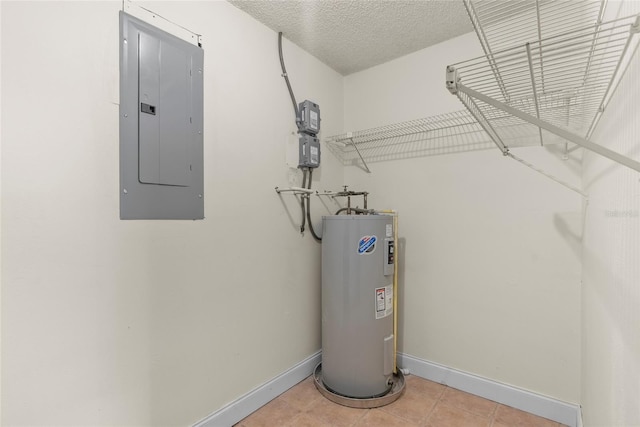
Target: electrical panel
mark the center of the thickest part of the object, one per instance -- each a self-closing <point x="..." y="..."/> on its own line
<point x="308" y="128"/>
<point x="161" y="124"/>
<point x="309" y="117"/>
<point x="309" y="151"/>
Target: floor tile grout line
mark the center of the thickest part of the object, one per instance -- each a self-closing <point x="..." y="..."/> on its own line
<point x="431" y="411"/>
<point x="355" y="423"/>
<point x="475" y="414"/>
<point x="433" y="408"/>
<point x="493" y="414"/>
<point x="490" y="418"/>
<point x="386" y="411"/>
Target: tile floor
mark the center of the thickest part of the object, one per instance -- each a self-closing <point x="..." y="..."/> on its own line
<point x="423" y="404"/>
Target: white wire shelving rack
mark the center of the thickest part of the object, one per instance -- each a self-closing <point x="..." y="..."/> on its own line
<point x="500" y="24"/>
<point x="552" y="88"/>
<point x="442" y="134"/>
<point x="550" y="67"/>
<point x="503" y="24"/>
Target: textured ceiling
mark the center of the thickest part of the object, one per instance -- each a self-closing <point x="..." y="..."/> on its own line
<point x="351" y="36"/>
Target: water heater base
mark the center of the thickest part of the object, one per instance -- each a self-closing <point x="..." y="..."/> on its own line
<point x="366" y="403"/>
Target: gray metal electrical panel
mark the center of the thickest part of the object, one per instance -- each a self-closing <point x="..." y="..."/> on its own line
<point x="161" y="124"/>
<point x="309" y="151"/>
<point x="308" y="128"/>
<point x="357" y="304"/>
<point x="309" y="117"/>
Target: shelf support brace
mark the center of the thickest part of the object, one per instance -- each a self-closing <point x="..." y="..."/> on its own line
<point x="453" y="83"/>
<point x="569" y="136"/>
<point x="364" y="164"/>
<point x="535" y="92"/>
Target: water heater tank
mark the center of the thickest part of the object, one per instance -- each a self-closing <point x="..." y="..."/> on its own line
<point x="357" y="304"/>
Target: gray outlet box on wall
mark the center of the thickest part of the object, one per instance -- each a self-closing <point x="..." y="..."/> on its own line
<point x="161" y="124"/>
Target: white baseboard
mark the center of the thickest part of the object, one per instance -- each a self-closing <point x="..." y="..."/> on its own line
<point x="562" y="412"/>
<point x="260" y="396"/>
<point x="556" y="410"/>
<point x="579" y="420"/>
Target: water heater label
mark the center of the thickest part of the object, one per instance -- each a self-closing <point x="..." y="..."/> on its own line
<point x="389" y="229"/>
<point x="367" y="244"/>
<point x="384" y="301"/>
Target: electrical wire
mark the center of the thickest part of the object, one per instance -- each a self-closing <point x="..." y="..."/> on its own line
<point x="304" y="184"/>
<point x="359" y="211"/>
<point x="313" y="232"/>
<point x="286" y="79"/>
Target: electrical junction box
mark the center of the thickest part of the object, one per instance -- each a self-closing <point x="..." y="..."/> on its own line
<point x="309" y="151"/>
<point x="309" y="117"/>
<point x="161" y="124"/>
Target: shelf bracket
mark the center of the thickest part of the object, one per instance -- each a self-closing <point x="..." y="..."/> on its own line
<point x="364" y="164"/>
<point x="535" y="91"/>
<point x="569" y="136"/>
<point x="453" y="83"/>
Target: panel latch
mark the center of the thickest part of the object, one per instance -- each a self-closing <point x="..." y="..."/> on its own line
<point x="147" y="108"/>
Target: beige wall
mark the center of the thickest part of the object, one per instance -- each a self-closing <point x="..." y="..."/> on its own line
<point x="109" y="322"/>
<point x="611" y="259"/>
<point x="113" y="322"/>
<point x="490" y="278"/>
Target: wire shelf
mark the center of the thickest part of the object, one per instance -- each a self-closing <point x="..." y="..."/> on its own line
<point x="502" y="24"/>
<point x="441" y="134"/>
<point x="563" y="77"/>
<point x="565" y="80"/>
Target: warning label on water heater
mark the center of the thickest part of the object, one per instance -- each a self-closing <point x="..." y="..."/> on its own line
<point x="384" y="301"/>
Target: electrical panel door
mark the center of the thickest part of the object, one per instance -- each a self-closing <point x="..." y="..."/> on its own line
<point x="161" y="124"/>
